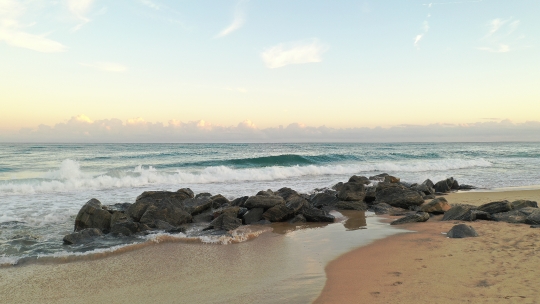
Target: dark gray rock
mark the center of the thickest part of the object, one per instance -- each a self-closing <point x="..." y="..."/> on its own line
<point x="252" y="216"/>
<point x="121" y="207"/>
<point x="263" y="201"/>
<point x="344" y="205"/>
<point x="296" y="203"/>
<point x="226" y="222"/>
<point x="239" y="201"/>
<point x="424" y="189"/>
<point x="481" y="215"/>
<point x="298" y="219"/>
<point x="437" y="206"/>
<point x="117" y="217"/>
<point x="188" y="192"/>
<point x="205" y="217"/>
<point x="399" y="196"/>
<point x="535" y="226"/>
<point x="321" y="200"/>
<point x="461" y="231"/>
<point x="230" y="210"/>
<point x="278" y="213"/>
<point x="412" y="218"/>
<point x="524" y="203"/>
<point x="165" y="210"/>
<point x="442" y="187"/>
<point x="128" y="228"/>
<point x="428" y="183"/>
<point x="370" y="194"/>
<point x="317" y="215"/>
<point x="219" y="201"/>
<point x="533" y="218"/>
<point x="337" y="186"/>
<point x="466" y="187"/>
<point x="383" y="208"/>
<point x="286" y="193"/>
<point x="149" y="198"/>
<point x="352" y="192"/>
<point x="266" y="193"/>
<point x="82" y="236"/>
<point x="496" y="207"/>
<point x="198" y="204"/>
<point x="92" y="215"/>
<point x="518" y="216"/>
<point x="459" y="213"/>
<point x="359" y="179"/>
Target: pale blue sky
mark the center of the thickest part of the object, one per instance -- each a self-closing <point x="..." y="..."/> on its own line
<point x="343" y="64"/>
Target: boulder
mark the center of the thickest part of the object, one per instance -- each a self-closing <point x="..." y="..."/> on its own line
<point x="354" y="205"/>
<point x="252" y="216"/>
<point x="121" y="207"/>
<point x="296" y="203"/>
<point x="117" y="217"/>
<point x="148" y="198"/>
<point x="481" y="215"/>
<point x="166" y="211"/>
<point x="399" y="197"/>
<point x="384" y="208"/>
<point x="198" y="204"/>
<point x="226" y="222"/>
<point x="239" y="201"/>
<point x="232" y="211"/>
<point x="298" y="219"/>
<point x="321" y="200"/>
<point x="278" y="213"/>
<point x="286" y="193"/>
<point x="384" y="177"/>
<point x="459" y="213"/>
<point x="496" y="207"/>
<point x="129" y="227"/>
<point x="437" y="206"/>
<point x="516" y="216"/>
<point x="461" y="231"/>
<point x="466" y="187"/>
<point x="263" y="201"/>
<point x="359" y="179"/>
<point x="412" y="218"/>
<point x="370" y="194"/>
<point x="524" y="203"/>
<point x="219" y="201"/>
<point x="266" y="193"/>
<point x="83" y="236"/>
<point x="441" y="187"/>
<point x="425" y="189"/>
<point x="428" y="183"/>
<point x="337" y="186"/>
<point x="317" y="215"/>
<point x="205" y="217"/>
<point x="533" y="218"/>
<point x="92" y="215"/>
<point x="188" y="192"/>
<point x="352" y="192"/>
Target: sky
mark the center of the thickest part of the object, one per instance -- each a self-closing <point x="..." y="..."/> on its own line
<point x="149" y="70"/>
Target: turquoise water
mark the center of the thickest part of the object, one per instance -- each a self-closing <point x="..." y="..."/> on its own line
<point x="42" y="186"/>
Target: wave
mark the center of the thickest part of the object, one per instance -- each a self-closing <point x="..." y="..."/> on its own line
<point x="274" y="160"/>
<point x="69" y="176"/>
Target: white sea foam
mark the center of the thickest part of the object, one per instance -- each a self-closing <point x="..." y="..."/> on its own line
<point x="69" y="177"/>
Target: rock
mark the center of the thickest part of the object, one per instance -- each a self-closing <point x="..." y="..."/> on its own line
<point x="165" y="210"/>
<point x="480" y="215"/>
<point x="496" y="207"/>
<point x="437" y="206"/>
<point x="317" y="215"/>
<point x="266" y="193"/>
<point x="370" y="194"/>
<point x="461" y="231"/>
<point x="252" y="216"/>
<point x="459" y="213"/>
<point x="92" y="215"/>
<point x="278" y="213"/>
<point x="466" y="187"/>
<point x="425" y="189"/>
<point x="286" y="193"/>
<point x="219" y="201"/>
<point x="226" y="222"/>
<point x="352" y="192"/>
<point x="524" y="203"/>
<point x="187" y="192"/>
<point x="205" y="217"/>
<point x="128" y="228"/>
<point x="263" y="201"/>
<point x="239" y="201"/>
<point x="533" y="218"/>
<point x="399" y="197"/>
<point x="298" y="219"/>
<point x="413" y="218"/>
<point x="535" y="226"/>
<point x="379" y="177"/>
<point x="296" y="203"/>
<point x="337" y="186"/>
<point x="148" y="198"/>
<point x="232" y="211"/>
<point x="429" y="197"/>
<point x="518" y="216"/>
<point x="117" y="217"/>
<point x="84" y="235"/>
<point x="344" y="205"/>
<point x="122" y="207"/>
<point x="384" y="208"/>
<point x="454" y="185"/>
<point x="359" y="179"/>
<point x="262" y="222"/>
<point x="441" y="187"/>
<point x="428" y="183"/>
<point x="321" y="200"/>
<point x="198" y="204"/>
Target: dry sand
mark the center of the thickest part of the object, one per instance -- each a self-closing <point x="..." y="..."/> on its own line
<point x="499" y="266"/>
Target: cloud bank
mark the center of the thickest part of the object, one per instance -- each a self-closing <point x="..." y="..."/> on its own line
<point x="82" y="129"/>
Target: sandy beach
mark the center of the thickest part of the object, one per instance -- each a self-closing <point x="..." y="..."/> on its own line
<point x="410" y="267"/>
<point x="499" y="266"/>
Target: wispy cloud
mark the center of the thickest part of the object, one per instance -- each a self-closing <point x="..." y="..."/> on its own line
<point x="500" y="36"/>
<point x="293" y="53"/>
<point x="151" y="4"/>
<point x="425" y="29"/>
<point x="15" y="34"/>
<point x="238" y="21"/>
<point x="106" y="66"/>
<point x="79" y="8"/>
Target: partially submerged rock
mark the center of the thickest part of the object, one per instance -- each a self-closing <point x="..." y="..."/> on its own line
<point x="92" y="215"/>
<point x="82" y="236"/>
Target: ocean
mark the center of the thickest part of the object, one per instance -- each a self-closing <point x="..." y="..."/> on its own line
<point x="43" y="186"/>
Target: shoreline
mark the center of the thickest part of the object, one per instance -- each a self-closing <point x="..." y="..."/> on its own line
<point x="425" y="266"/>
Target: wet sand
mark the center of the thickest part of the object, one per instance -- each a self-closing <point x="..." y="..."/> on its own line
<point x="282" y="266"/>
<point x="499" y="266"/>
